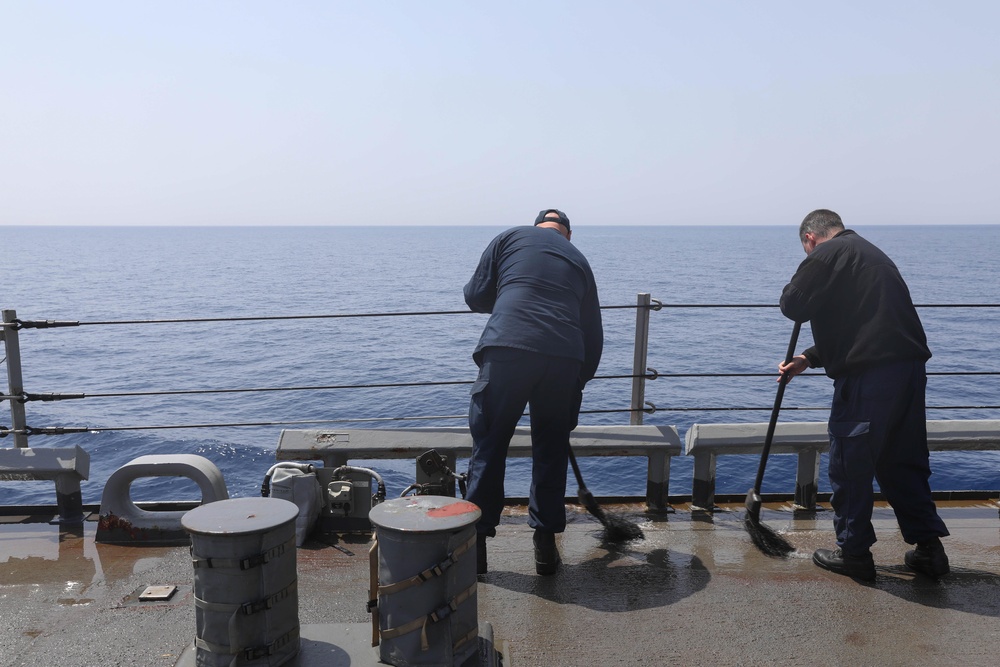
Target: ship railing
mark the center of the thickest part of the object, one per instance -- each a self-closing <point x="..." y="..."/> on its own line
<point x="657" y="444"/>
<point x="700" y="447"/>
<point x="807" y="440"/>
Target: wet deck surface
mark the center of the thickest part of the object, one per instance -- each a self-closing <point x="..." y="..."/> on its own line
<point x="695" y="591"/>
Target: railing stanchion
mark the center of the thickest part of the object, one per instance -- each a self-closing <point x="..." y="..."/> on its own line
<point x="14" y="382"/>
<point x="639" y="358"/>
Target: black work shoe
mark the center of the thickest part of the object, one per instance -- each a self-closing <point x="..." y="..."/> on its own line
<point x="928" y="558"/>
<point x="481" y="553"/>
<point x="857" y="567"/>
<point x="546" y="553"/>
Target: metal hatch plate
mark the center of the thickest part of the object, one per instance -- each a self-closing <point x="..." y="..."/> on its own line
<point x="157" y="593"/>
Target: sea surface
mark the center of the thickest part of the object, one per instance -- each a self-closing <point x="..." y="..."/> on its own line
<point x="138" y="377"/>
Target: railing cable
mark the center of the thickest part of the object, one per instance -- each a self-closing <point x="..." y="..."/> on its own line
<point x="775" y="374"/>
<point x="55" y="324"/>
<point x="649" y="409"/>
<point x="774" y="305"/>
<point x="48" y="324"/>
<point x="655" y="305"/>
<point x="651" y="375"/>
<point x="62" y="430"/>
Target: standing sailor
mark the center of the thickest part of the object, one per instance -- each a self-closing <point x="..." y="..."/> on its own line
<point x="870" y="341"/>
<point x="541" y="345"/>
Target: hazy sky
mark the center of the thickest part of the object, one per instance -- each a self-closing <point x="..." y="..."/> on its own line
<point x="433" y="112"/>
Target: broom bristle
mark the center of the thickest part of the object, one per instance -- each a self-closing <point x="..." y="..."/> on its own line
<point x="616" y="528"/>
<point x="620" y="529"/>
<point x="764" y="538"/>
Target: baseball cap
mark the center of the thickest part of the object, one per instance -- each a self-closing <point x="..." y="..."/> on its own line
<point x="562" y="219"/>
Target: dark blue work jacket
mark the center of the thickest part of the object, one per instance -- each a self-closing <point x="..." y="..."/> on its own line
<point x="541" y="294"/>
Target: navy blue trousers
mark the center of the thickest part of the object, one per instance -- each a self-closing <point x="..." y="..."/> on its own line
<point x="878" y="431"/>
<point x="509" y="380"/>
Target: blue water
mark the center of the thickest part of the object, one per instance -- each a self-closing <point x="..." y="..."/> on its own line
<point x="116" y="273"/>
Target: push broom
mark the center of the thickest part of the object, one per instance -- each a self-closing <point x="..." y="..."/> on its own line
<point x="616" y="528"/>
<point x="764" y="537"/>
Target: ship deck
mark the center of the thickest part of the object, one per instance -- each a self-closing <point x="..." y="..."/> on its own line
<point x="695" y="591"/>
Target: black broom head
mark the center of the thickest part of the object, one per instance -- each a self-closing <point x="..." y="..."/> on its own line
<point x="619" y="529"/>
<point x="764" y="538"/>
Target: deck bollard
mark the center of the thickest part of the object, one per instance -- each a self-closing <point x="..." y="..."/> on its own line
<point x="426" y="593"/>
<point x="246" y="601"/>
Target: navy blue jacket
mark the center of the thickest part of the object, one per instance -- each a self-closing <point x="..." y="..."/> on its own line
<point x="858" y="305"/>
<point x="542" y="296"/>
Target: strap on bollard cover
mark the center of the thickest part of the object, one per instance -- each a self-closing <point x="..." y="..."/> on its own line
<point x="433" y="617"/>
<point x="373" y="588"/>
<point x="444" y="612"/>
<point x="429" y="573"/>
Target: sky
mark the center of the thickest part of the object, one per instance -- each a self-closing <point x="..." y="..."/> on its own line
<point x="433" y="112"/>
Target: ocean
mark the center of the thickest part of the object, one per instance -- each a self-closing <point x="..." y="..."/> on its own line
<point x="138" y="377"/>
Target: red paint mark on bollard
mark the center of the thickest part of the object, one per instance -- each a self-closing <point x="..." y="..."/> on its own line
<point x="454" y="509"/>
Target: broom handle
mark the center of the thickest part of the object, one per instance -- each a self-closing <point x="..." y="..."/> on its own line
<point x="576" y="470"/>
<point x="783" y="380"/>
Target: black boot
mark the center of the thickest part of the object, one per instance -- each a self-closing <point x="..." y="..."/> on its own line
<point x="546" y="553"/>
<point x="928" y="558"/>
<point x="858" y="567"/>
